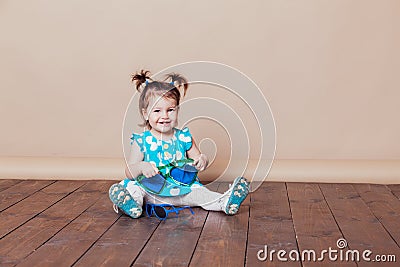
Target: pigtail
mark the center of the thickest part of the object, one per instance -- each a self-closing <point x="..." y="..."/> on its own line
<point x="178" y="81"/>
<point x="140" y="78"/>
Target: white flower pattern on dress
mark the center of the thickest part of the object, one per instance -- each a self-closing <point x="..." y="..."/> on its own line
<point x="167" y="155"/>
<point x="153" y="145"/>
<point x="163" y="152"/>
<point x="184" y="138"/>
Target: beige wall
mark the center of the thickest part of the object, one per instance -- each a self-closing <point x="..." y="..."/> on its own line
<point x="329" y="70"/>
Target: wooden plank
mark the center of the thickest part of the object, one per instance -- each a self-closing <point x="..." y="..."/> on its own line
<point x="28" y="208"/>
<point x="270" y="225"/>
<point x="395" y="188"/>
<point x="67" y="246"/>
<point x="121" y="244"/>
<point x="20" y="191"/>
<point x="223" y="240"/>
<point x="384" y="205"/>
<point x="5" y="184"/>
<point x="314" y="224"/>
<point x="26" y="239"/>
<point x="173" y="242"/>
<point x="359" y="226"/>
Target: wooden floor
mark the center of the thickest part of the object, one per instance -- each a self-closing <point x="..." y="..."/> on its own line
<point x="64" y="223"/>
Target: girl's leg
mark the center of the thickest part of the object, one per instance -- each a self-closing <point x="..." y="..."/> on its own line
<point x="229" y="202"/>
<point x="134" y="190"/>
<point x="200" y="196"/>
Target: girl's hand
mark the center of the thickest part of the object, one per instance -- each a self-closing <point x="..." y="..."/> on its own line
<point x="201" y="162"/>
<point x="149" y="169"/>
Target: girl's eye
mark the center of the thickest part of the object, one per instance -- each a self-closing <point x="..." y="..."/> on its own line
<point x="171" y="109"/>
<point x="156" y="110"/>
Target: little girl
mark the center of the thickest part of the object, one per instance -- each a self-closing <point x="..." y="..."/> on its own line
<point x="156" y="151"/>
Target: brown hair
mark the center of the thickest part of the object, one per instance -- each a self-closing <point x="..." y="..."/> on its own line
<point x="148" y="88"/>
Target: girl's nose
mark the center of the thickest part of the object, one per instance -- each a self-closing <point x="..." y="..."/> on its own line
<point x="164" y="114"/>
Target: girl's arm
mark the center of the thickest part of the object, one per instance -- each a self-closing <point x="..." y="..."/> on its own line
<point x="200" y="160"/>
<point x="136" y="166"/>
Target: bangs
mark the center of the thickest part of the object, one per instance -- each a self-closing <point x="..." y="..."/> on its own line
<point x="170" y="94"/>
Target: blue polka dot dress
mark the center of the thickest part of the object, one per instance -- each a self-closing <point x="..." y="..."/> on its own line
<point x="162" y="153"/>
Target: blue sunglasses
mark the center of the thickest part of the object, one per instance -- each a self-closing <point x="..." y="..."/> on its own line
<point x="161" y="211"/>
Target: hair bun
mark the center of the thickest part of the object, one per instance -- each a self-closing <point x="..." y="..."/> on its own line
<point x="140" y="78"/>
<point x="177" y="80"/>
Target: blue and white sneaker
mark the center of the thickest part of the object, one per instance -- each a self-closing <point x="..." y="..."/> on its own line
<point x="121" y="198"/>
<point x="237" y="194"/>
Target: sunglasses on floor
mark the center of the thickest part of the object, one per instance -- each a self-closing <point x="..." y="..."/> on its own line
<point x="161" y="211"/>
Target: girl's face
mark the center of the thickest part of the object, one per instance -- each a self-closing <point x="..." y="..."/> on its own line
<point x="162" y="114"/>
